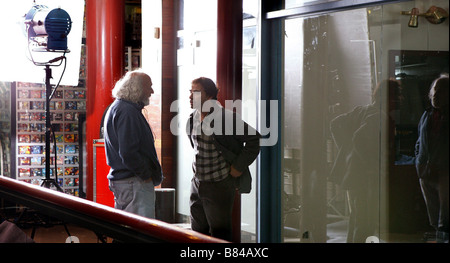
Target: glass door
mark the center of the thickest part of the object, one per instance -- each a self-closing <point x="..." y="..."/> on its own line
<point x="196" y="57"/>
<point x="337" y="136"/>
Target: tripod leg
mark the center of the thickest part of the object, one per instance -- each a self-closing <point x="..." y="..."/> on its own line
<point x="47" y="183"/>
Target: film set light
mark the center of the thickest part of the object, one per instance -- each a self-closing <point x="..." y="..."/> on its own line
<point x="47" y="31"/>
<point x="48" y="28"/>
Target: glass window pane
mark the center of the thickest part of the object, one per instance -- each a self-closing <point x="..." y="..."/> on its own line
<point x="348" y="173"/>
<point x="250" y="95"/>
<point x="196" y="56"/>
<point x="332" y="130"/>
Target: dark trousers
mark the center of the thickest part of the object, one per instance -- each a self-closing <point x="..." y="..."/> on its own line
<point x="211" y="206"/>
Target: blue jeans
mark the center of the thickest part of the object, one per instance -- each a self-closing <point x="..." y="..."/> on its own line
<point x="134" y="195"/>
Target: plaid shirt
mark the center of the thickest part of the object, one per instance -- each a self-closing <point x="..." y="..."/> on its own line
<point x="208" y="165"/>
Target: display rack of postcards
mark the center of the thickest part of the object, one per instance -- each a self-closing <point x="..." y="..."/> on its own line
<point x="65" y="107"/>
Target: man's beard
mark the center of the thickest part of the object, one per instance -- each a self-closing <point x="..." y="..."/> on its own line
<point x="145" y="101"/>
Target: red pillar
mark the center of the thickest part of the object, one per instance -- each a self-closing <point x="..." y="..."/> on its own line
<point x="169" y="91"/>
<point x="105" y="25"/>
<point x="229" y="71"/>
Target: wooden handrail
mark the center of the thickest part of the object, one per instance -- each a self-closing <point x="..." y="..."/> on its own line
<point x="97" y="217"/>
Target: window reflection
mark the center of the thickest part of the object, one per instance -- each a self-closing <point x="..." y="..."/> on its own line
<point x="339" y="184"/>
<point x="320" y="92"/>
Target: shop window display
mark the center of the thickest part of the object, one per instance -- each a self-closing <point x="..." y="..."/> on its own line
<point x="66" y="107"/>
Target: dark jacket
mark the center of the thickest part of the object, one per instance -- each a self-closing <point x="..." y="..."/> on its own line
<point x="432" y="151"/>
<point x="129" y="143"/>
<point x="239" y="149"/>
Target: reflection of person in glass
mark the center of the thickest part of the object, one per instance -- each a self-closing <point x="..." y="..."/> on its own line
<point x="356" y="167"/>
<point x="432" y="157"/>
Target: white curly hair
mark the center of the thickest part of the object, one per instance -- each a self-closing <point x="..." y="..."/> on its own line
<point x="130" y="87"/>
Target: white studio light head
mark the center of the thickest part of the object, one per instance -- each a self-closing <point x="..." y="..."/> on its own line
<point x="17" y="49"/>
<point x="48" y="28"/>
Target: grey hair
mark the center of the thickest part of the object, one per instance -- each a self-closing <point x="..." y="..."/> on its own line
<point x="130" y="86"/>
<point x="442" y="81"/>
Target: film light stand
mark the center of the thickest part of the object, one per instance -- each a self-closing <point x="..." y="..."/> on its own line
<point x="48" y="181"/>
<point x="54" y="25"/>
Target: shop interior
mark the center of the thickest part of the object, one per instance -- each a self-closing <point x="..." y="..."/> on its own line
<point x="299" y="65"/>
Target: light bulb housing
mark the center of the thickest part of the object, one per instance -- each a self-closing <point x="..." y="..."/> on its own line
<point x="48" y="28"/>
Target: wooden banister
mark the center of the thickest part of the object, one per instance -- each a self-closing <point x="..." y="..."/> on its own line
<point x="99" y="218"/>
